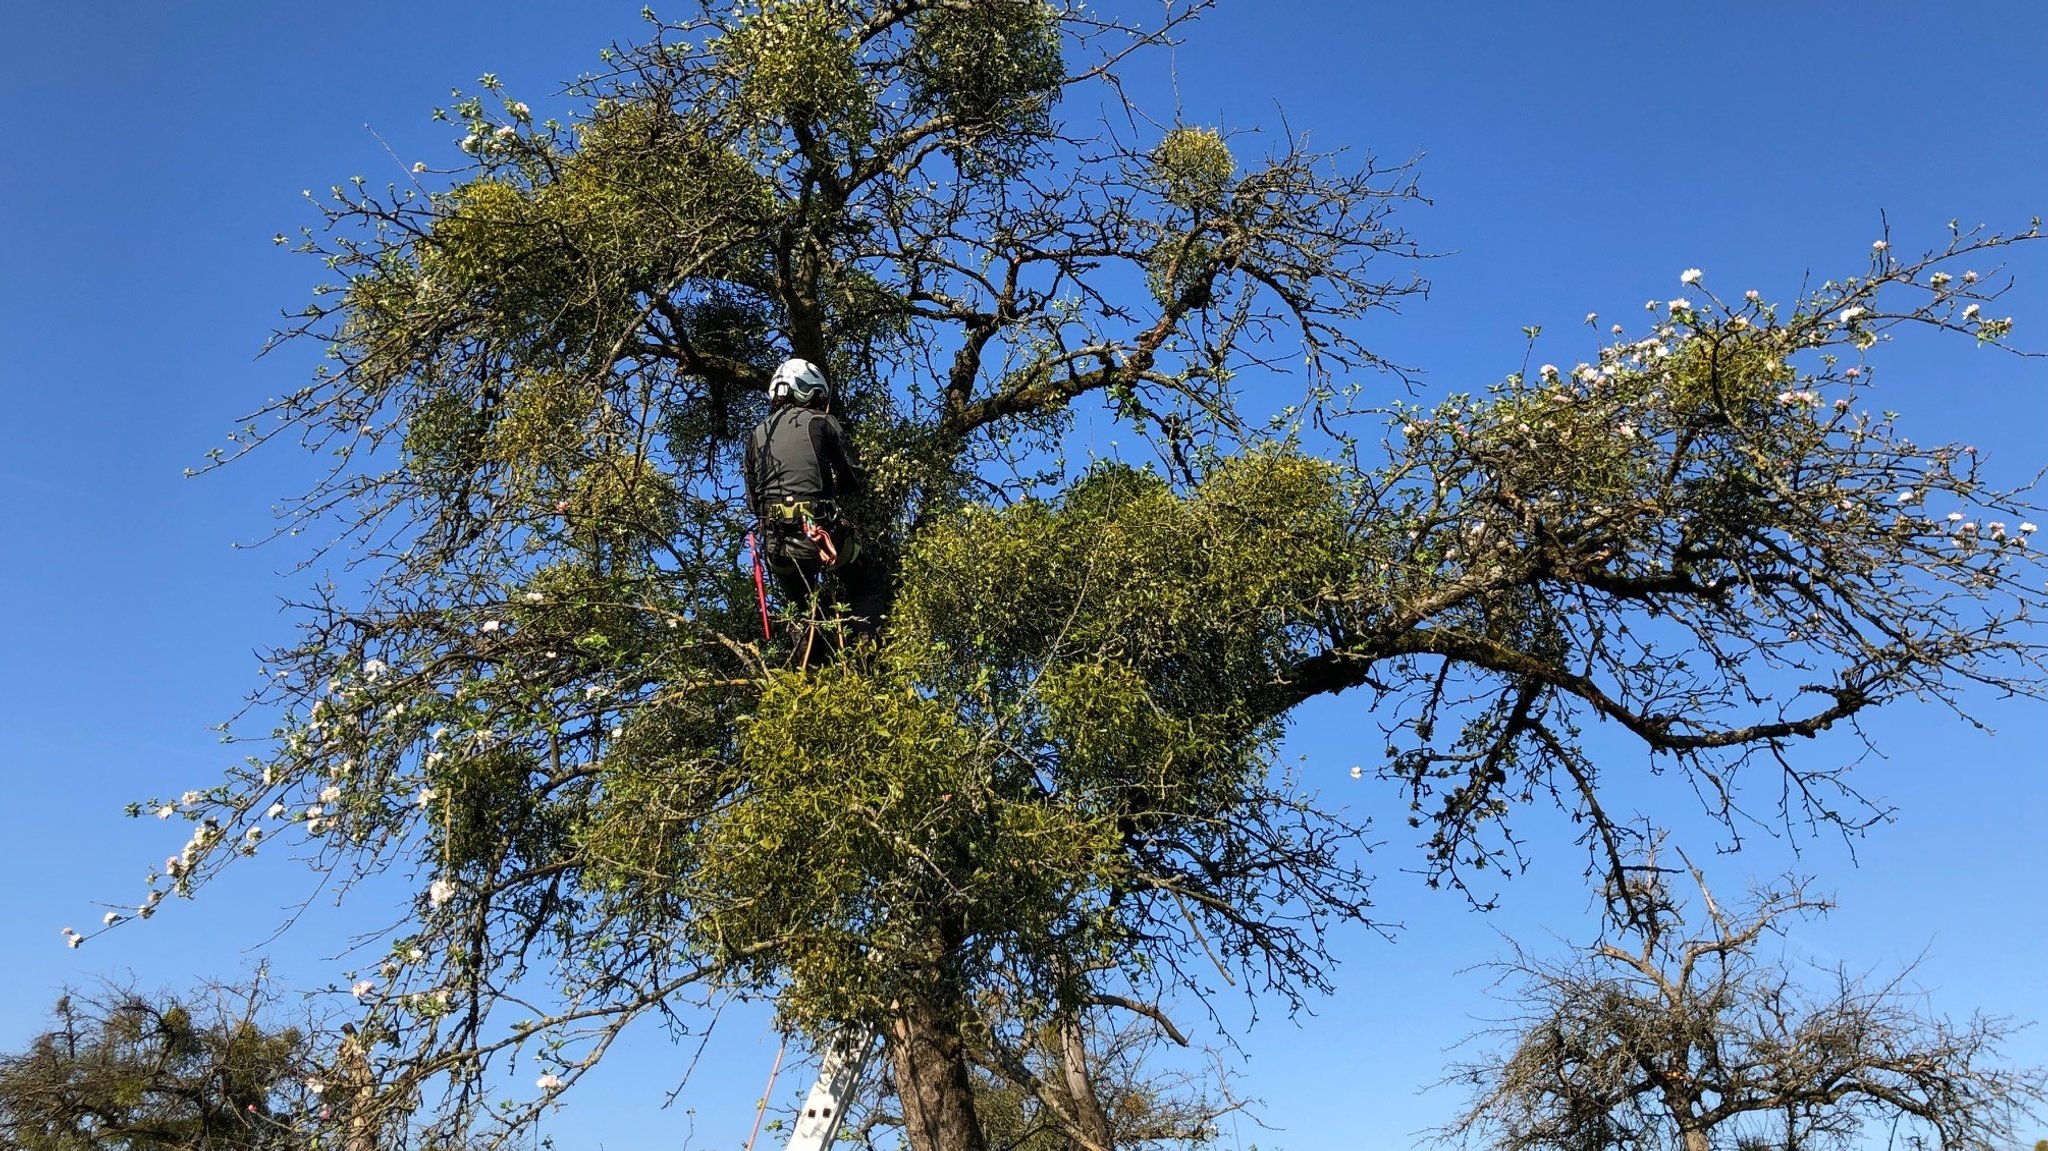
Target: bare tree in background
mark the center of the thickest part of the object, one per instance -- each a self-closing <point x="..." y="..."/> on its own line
<point x="1697" y="1035"/>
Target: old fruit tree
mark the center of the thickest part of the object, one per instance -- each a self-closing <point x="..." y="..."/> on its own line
<point x="1049" y="792"/>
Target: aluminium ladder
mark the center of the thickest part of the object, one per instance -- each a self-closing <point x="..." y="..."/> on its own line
<point x="846" y="1056"/>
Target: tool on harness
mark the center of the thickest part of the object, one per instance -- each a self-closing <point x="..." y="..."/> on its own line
<point x="828" y="553"/>
<point x="805" y="519"/>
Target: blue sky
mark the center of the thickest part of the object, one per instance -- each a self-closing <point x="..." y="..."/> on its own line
<point x="1578" y="156"/>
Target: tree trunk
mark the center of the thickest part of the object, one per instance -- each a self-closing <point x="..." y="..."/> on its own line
<point x="932" y="1080"/>
<point x="1088" y="1113"/>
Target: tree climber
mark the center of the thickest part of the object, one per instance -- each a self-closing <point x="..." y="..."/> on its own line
<point x="799" y="466"/>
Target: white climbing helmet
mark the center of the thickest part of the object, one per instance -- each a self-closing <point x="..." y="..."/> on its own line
<point x="798" y="381"/>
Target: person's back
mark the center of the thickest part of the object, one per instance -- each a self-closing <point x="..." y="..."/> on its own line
<point x="799" y="468"/>
<point x="800" y="455"/>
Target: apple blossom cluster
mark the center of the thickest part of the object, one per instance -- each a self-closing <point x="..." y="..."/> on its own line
<point x="487" y="138"/>
<point x="1967" y="530"/>
<point x="1854" y="298"/>
<point x="1634" y="393"/>
<point x="348" y="717"/>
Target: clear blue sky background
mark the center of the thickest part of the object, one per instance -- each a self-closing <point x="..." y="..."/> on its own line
<point x="1579" y="156"/>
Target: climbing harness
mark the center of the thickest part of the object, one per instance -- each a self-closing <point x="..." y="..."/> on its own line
<point x="804" y="518"/>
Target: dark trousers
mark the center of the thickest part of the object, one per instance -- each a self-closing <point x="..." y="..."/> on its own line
<point x="846" y="603"/>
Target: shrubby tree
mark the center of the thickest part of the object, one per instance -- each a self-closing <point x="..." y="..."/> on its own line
<point x="1049" y="792"/>
<point x="1671" y="1033"/>
<point x="122" y="1071"/>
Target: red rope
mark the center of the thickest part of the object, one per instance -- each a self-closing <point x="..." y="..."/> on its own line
<point x="762" y="1108"/>
<point x="760" y="588"/>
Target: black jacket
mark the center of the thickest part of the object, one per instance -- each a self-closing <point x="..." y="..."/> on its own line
<point x="798" y="455"/>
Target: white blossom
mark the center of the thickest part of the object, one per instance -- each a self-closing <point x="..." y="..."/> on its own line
<point x="362" y="988"/>
<point x="166" y="811"/>
<point x="374" y="668"/>
<point x="1849" y="314"/>
<point x="440" y="892"/>
<point x="111" y="918"/>
<point x="490" y="625"/>
<point x="549" y="1082"/>
<point x="1970" y="313"/>
<point x="1690" y="276"/>
<point x="425" y="797"/>
<point x="330" y="794"/>
<point x="1679" y="305"/>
